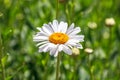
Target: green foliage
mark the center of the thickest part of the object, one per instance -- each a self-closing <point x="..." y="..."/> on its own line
<point x="18" y="22"/>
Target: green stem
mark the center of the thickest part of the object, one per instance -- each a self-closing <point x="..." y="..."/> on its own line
<point x="72" y="11"/>
<point x="57" y="6"/>
<point x="58" y="67"/>
<point x="109" y="49"/>
<point x="67" y="13"/>
<point x="89" y="65"/>
<point x="110" y="38"/>
<point x="58" y="57"/>
<point x="1" y="56"/>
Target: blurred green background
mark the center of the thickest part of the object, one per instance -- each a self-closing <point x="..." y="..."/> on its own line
<point x="20" y="58"/>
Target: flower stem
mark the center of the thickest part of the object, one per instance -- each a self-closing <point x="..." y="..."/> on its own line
<point x="109" y="49"/>
<point x="58" y="67"/>
<point x="58" y="57"/>
<point x="1" y="62"/>
<point x="110" y="38"/>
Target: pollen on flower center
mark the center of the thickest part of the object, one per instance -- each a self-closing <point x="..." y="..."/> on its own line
<point x="58" y="38"/>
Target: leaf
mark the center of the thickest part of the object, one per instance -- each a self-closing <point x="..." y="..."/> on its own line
<point x="8" y="78"/>
<point x="4" y="59"/>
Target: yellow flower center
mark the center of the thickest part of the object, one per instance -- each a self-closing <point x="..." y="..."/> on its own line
<point x="58" y="38"/>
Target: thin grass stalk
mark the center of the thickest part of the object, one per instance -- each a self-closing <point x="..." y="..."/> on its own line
<point x="89" y="65"/>
<point x="1" y="62"/>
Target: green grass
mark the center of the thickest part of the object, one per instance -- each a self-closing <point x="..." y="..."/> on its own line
<point x="20" y="58"/>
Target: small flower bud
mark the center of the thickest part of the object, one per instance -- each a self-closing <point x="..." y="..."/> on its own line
<point x="109" y="22"/>
<point x="92" y="25"/>
<point x="88" y="50"/>
<point x="75" y="51"/>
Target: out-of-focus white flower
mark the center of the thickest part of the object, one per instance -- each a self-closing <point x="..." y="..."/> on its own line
<point x="109" y="22"/>
<point x="88" y="50"/>
<point x="75" y="51"/>
<point x="56" y="37"/>
<point x="92" y="25"/>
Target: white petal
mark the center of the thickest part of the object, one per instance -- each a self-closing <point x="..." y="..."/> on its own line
<point x="42" y="47"/>
<point x="54" y="25"/>
<point x="73" y="41"/>
<point x="62" y="27"/>
<point x="41" y="43"/>
<point x="45" y="47"/>
<point x="60" y="48"/>
<point x="39" y="38"/>
<point x="78" y="37"/>
<point x="74" y="31"/>
<point x="70" y="28"/>
<point x="67" y="50"/>
<point x="49" y="28"/>
<point x="71" y="44"/>
<point x="48" y="48"/>
<point x="54" y="51"/>
<point x="55" y="55"/>
<point x="79" y="46"/>
<point x="46" y="30"/>
<point x="41" y="34"/>
<point x="55" y="22"/>
<point x="74" y="44"/>
<point x="42" y="30"/>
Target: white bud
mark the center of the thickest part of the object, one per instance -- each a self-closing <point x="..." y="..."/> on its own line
<point x="75" y="51"/>
<point x="88" y="50"/>
<point x="92" y="25"/>
<point x="109" y="22"/>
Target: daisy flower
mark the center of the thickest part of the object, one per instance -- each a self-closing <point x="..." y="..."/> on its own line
<point x="55" y="37"/>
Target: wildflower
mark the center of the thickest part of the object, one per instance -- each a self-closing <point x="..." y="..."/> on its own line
<point x="92" y="25"/>
<point x="88" y="50"/>
<point x="75" y="51"/>
<point x="110" y="22"/>
<point x="56" y="37"/>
